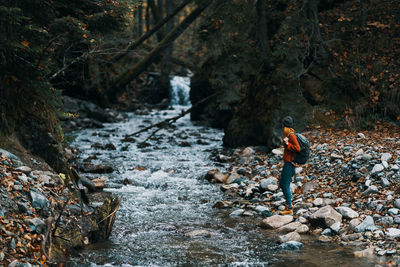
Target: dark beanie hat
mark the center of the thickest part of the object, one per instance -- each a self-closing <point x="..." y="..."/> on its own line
<point x="288" y="122"/>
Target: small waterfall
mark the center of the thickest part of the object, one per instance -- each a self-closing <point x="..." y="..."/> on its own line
<point x="180" y="89"/>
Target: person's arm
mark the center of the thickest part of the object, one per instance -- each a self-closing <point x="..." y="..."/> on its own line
<point x="293" y="144"/>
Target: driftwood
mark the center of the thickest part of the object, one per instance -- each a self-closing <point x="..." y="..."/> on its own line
<point x="169" y="121"/>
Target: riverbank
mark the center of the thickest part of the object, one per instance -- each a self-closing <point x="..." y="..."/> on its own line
<point x="347" y="193"/>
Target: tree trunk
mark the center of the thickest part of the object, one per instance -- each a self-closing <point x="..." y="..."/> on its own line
<point x="262" y="32"/>
<point x="118" y="85"/>
<point x="140" y="21"/>
<point x="167" y="54"/>
<point x="147" y="18"/>
<point x="155" y="11"/>
<point x="316" y="49"/>
<point x="149" y="33"/>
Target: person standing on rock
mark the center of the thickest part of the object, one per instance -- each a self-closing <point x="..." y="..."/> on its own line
<point x="291" y="147"/>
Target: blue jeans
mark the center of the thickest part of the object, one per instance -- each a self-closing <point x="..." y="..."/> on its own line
<point x="284" y="182"/>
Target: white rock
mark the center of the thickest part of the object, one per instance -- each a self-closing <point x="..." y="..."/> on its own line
<point x="385" y="164"/>
<point x="393" y="232"/>
<point x="272" y="187"/>
<point x="261" y="209"/>
<point x="393" y="211"/>
<point x="359" y="152"/>
<point x="347" y="212"/>
<point x="354" y="223"/>
<point x="395" y="167"/>
<point x="325" y="216"/>
<point x="386" y="156"/>
<point x="293" y="236"/>
<point x="298" y="170"/>
<point x="336" y="227"/>
<point x="377" y="168"/>
<point x="361" y="135"/>
<point x="236" y="213"/>
<point x="318" y="202"/>
<point x="276" y="221"/>
<point x="302" y="229"/>
<point x="293" y="226"/>
<point x="277" y="152"/>
<point x="367" y="225"/>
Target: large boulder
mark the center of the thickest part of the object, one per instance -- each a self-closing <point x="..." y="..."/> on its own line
<point x="325" y="217"/>
<point x="276" y="221"/>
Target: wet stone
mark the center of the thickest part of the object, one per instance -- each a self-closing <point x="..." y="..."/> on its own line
<point x="236" y="213"/>
<point x="291" y="245"/>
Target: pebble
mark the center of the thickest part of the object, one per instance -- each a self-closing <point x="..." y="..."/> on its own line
<point x="318" y="202"/>
<point x="371" y="190"/>
<point x="293" y="236"/>
<point x="198" y="233"/>
<point x="24" y="169"/>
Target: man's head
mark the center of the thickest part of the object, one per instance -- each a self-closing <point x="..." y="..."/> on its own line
<point x="287" y="122"/>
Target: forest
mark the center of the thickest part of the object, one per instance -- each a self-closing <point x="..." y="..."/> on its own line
<point x="101" y="100"/>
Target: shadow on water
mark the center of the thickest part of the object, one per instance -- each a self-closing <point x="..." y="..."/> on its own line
<point x="167" y="200"/>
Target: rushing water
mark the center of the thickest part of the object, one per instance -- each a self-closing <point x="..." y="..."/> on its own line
<point x="168" y="198"/>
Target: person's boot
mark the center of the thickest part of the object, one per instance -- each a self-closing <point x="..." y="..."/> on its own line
<point x="286" y="211"/>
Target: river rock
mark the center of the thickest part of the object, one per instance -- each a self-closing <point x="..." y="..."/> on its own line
<point x="266" y="182"/>
<point x="99" y="183"/>
<point x="367" y="225"/>
<point x="291" y="227"/>
<point x="24" y="169"/>
<point x="232" y="177"/>
<point x="236" y="213"/>
<point x="293" y="236"/>
<point x="351" y="237"/>
<point x="44" y="179"/>
<point x="396" y="203"/>
<point x="325" y="216"/>
<point x="370" y="190"/>
<point x="386" y="156"/>
<point x="377" y="168"/>
<point x="215" y="176"/>
<point x="303" y="229"/>
<point x="277" y="152"/>
<point x="385" y="182"/>
<point x="272" y="187"/>
<point x="318" y="202"/>
<point x="393" y="211"/>
<point x="291" y="245"/>
<point x="336" y="227"/>
<point x="38" y="200"/>
<point x="198" y="233"/>
<point x="361" y="135"/>
<point x="393" y="232"/>
<point x="347" y="212"/>
<point x="87" y="183"/>
<point x="37" y="224"/>
<point x="276" y="221"/>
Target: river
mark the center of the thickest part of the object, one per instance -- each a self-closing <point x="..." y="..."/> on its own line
<point x="167" y="199"/>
